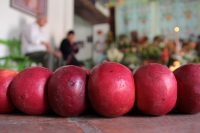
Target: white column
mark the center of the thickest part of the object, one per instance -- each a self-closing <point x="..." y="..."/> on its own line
<point x="154" y="18"/>
<point x="60" y="20"/>
<point x="198" y="15"/>
<point x="68" y="15"/>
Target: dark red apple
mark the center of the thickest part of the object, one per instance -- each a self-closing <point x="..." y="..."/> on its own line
<point x="156" y="89"/>
<point x="6" y="76"/>
<point x="66" y="91"/>
<point x="188" y="79"/>
<point x="111" y="89"/>
<point x="28" y="90"/>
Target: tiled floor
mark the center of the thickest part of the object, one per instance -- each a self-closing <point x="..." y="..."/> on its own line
<point x="92" y="123"/>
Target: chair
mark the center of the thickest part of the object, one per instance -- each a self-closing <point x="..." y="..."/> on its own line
<point x="15" y="59"/>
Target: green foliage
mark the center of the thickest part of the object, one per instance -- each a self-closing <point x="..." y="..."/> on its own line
<point x="130" y="58"/>
<point x="196" y="60"/>
<point x="123" y="42"/>
<point x="15" y="59"/>
<point x="150" y="52"/>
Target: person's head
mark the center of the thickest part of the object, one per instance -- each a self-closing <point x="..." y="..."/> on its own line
<point x="143" y="40"/>
<point x="41" y="20"/>
<point x="70" y="36"/>
<point x="156" y="40"/>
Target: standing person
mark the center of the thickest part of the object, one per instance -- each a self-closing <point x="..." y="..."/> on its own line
<point x="68" y="50"/>
<point x="198" y="45"/>
<point x="36" y="48"/>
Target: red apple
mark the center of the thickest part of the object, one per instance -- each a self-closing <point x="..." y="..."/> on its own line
<point x="88" y="72"/>
<point x="6" y="76"/>
<point x="111" y="89"/>
<point x="28" y="90"/>
<point x="156" y="89"/>
<point x="188" y="79"/>
<point x="66" y="91"/>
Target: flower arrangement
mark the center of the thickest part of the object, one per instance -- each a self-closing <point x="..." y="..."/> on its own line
<point x="113" y="54"/>
<point x="130" y="59"/>
<point x="150" y="52"/>
<point x="188" y="53"/>
<point x="123" y="42"/>
<point x="170" y="46"/>
<point x="129" y="52"/>
<point x="110" y="37"/>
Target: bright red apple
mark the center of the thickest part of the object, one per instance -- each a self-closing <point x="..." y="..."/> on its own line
<point x="111" y="89"/>
<point x="188" y="79"/>
<point x="156" y="89"/>
<point x="88" y="72"/>
<point x="6" y="76"/>
<point x="66" y="91"/>
<point x="28" y="90"/>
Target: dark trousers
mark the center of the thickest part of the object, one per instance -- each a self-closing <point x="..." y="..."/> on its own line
<point x="75" y="62"/>
<point x="47" y="59"/>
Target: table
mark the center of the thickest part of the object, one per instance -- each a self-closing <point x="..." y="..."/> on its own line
<point x="93" y="123"/>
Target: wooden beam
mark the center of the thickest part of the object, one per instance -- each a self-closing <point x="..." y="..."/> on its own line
<point x="87" y="10"/>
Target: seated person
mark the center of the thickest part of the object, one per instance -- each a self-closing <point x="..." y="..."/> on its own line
<point x="68" y="50"/>
<point x="36" y="48"/>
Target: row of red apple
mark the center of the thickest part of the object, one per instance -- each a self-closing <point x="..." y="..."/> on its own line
<point x="110" y="88"/>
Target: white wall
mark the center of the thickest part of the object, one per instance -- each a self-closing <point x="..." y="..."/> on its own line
<point x="99" y="41"/>
<point x="11" y="23"/>
<point x="104" y="28"/>
<point x="83" y="29"/>
<point x="60" y="19"/>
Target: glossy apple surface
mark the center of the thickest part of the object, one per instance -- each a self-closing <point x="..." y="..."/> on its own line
<point x="188" y="79"/>
<point x="156" y="89"/>
<point x="28" y="90"/>
<point x="111" y="90"/>
<point x="6" y="76"/>
<point x="66" y="91"/>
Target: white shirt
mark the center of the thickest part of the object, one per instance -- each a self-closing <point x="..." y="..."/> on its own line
<point x="31" y="39"/>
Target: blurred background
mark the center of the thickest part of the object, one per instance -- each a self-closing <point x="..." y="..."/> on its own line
<point x="131" y="32"/>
